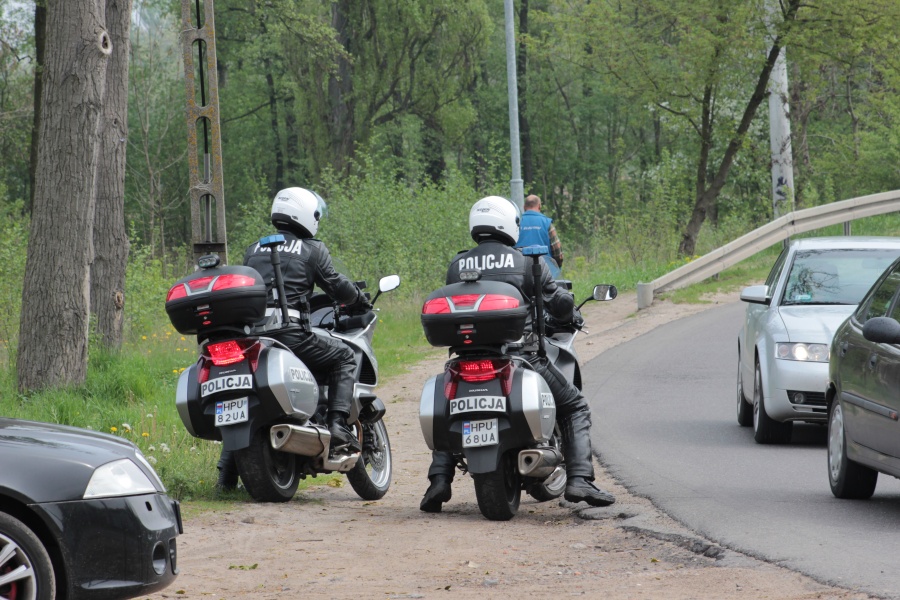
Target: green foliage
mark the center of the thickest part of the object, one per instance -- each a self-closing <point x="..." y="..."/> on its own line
<point x="13" y="241"/>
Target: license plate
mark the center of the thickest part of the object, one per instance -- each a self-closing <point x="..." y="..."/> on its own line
<point x="485" y="432"/>
<point x="229" y="412"/>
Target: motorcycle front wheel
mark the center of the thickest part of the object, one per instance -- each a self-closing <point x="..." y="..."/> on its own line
<point x="371" y="477"/>
<point x="268" y="475"/>
<point x="499" y="492"/>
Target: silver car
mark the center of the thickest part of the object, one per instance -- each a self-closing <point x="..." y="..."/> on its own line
<point x="784" y="345"/>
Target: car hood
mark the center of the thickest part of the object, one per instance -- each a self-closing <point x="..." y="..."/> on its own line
<point x="814" y="323"/>
<point x="42" y="462"/>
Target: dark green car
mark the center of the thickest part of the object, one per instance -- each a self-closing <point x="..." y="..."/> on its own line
<point x="863" y="392"/>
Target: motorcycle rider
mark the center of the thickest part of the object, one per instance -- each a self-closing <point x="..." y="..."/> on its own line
<point x="306" y="262"/>
<point x="494" y="225"/>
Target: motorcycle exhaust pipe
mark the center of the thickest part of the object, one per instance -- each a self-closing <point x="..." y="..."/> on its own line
<point x="305" y="440"/>
<point x="539" y="462"/>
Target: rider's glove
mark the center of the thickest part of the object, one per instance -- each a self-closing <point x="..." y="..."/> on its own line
<point x="577" y="319"/>
<point x="362" y="303"/>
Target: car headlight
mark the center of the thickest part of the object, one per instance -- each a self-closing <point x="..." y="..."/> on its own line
<point x="149" y="468"/>
<point x="118" y="478"/>
<point x="802" y="352"/>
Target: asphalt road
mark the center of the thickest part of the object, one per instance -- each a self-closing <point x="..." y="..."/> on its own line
<point x="665" y="425"/>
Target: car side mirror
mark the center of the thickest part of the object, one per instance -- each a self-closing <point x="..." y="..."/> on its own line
<point x="882" y="330"/>
<point x="756" y="294"/>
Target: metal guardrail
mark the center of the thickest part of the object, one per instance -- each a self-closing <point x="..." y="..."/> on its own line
<point x="782" y="228"/>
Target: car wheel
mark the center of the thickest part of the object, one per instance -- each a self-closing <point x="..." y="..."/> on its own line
<point x="766" y="430"/>
<point x="848" y="478"/>
<point x="744" y="410"/>
<point x="25" y="567"/>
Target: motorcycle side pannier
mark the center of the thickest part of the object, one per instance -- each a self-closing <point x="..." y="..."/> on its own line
<point x="209" y="298"/>
<point x="474" y="313"/>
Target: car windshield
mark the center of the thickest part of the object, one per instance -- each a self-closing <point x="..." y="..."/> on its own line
<point x="834" y="276"/>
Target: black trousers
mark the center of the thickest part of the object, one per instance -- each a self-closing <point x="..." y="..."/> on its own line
<point x="573" y="415"/>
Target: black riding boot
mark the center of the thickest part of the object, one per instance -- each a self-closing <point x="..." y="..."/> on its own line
<point x="437" y="493"/>
<point x="228" y="475"/>
<point x="341" y="435"/>
<point x="576" y="429"/>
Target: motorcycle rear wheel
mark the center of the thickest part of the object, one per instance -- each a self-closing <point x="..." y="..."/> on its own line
<point x="370" y="478"/>
<point x="268" y="475"/>
<point x="499" y="492"/>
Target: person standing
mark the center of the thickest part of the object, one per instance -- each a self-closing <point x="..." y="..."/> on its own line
<point x="537" y="229"/>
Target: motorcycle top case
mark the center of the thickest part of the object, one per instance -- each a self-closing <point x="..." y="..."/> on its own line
<point x="209" y="298"/>
<point x="474" y="313"/>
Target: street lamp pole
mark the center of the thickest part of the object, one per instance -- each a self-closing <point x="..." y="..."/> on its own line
<point x="516" y="185"/>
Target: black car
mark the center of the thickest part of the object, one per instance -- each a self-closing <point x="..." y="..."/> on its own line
<point x="82" y="515"/>
<point x="863" y="393"/>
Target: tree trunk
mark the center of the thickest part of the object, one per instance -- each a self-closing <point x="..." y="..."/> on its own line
<point x="110" y="238"/>
<point x="40" y="36"/>
<point x="706" y="196"/>
<point x="53" y="330"/>
<point x="340" y="90"/>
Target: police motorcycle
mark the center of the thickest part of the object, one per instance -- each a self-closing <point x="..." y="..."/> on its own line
<point x="490" y="408"/>
<point x="252" y="393"/>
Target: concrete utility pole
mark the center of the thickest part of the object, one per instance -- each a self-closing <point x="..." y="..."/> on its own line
<point x="780" y="129"/>
<point x="516" y="185"/>
<point x="198" y="34"/>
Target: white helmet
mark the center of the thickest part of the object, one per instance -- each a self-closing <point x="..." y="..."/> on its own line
<point x="298" y="210"/>
<point x="494" y="218"/>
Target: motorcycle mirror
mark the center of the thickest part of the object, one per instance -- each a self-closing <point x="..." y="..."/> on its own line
<point x="388" y="283"/>
<point x="605" y="292"/>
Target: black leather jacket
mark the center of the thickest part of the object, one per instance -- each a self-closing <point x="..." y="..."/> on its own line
<point x="305" y="262"/>
<point x="499" y="262"/>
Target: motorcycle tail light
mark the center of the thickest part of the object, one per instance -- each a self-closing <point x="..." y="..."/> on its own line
<point x="176" y="292"/>
<point x="474" y="371"/>
<point x="199" y="284"/>
<point x="225" y="282"/>
<point x="437" y="306"/>
<point x="497" y="302"/>
<point x="233" y="351"/>
<point x="203" y="374"/>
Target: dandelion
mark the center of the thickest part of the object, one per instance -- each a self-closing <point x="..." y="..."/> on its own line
<point x="182" y="338"/>
<point x="174" y="370"/>
<point x="143" y="337"/>
<point x="151" y="460"/>
<point x="126" y="427"/>
<point x="181" y="369"/>
<point x="113" y="429"/>
<point x="151" y="449"/>
<point x="164" y="447"/>
<point x="149" y="415"/>
<point x="145" y="434"/>
<point x="193" y="448"/>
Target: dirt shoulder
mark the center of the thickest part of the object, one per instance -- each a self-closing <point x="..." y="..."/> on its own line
<point x="327" y="543"/>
